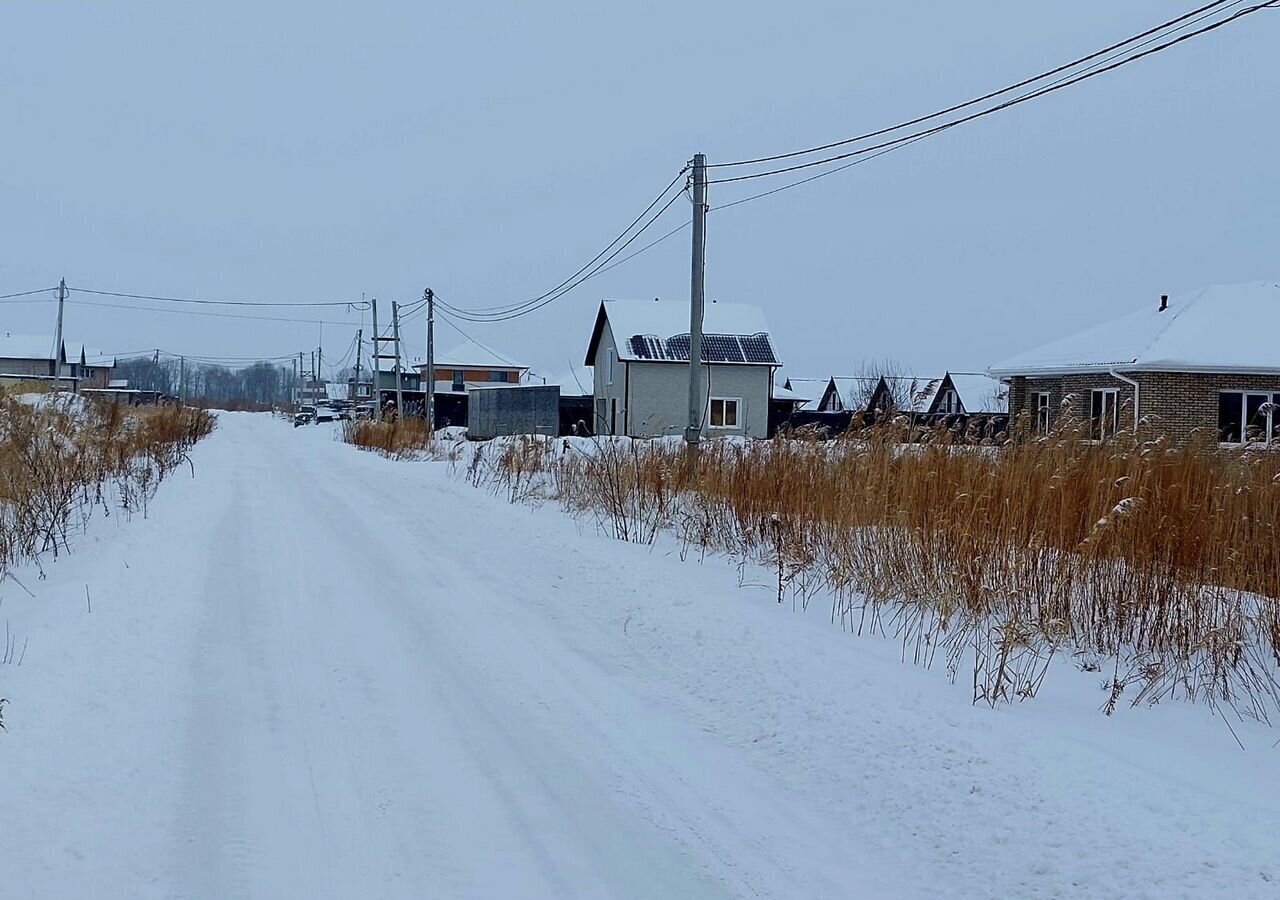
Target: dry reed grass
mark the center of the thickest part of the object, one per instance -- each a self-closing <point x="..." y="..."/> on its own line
<point x="62" y="458"/>
<point x="1158" y="563"/>
<point x="394" y="438"/>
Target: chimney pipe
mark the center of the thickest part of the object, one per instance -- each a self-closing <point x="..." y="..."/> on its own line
<point x="1164" y="302"/>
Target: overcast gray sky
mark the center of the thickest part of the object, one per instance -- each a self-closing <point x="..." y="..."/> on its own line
<point x="300" y="151"/>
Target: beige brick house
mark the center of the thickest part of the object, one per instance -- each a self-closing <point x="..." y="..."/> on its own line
<point x="1205" y="363"/>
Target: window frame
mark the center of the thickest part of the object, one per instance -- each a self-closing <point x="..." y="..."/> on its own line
<point x="950" y="402"/>
<point x="724" y="410"/>
<point x="1042" y="410"/>
<point x="1098" y="428"/>
<point x="1272" y="421"/>
<point x="611" y="361"/>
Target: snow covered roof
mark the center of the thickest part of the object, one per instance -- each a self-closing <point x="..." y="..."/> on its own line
<point x="473" y="355"/>
<point x="658" y="331"/>
<point x="40" y="346"/>
<point x="1222" y="328"/>
<point x="852" y="391"/>
<point x="783" y="393"/>
<point x="979" y="392"/>
<point x="27" y="346"/>
<point x="810" y="389"/>
<point x="576" y="382"/>
<point x="918" y="389"/>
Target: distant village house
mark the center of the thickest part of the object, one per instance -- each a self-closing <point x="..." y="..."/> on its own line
<point x="1205" y="363"/>
<point x="640" y="353"/>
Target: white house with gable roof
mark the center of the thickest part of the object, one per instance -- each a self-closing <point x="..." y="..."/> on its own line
<point x="640" y="353"/>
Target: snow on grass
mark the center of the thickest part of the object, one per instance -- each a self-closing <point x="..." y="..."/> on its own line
<point x="312" y="672"/>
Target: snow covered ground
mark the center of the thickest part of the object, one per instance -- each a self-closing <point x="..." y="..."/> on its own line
<point x="315" y="673"/>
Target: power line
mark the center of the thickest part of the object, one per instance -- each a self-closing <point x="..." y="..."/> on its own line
<point x="500" y="312"/>
<point x="448" y="320"/>
<point x="976" y="100"/>
<point x="475" y="316"/>
<point x="1031" y="95"/>
<point x="148" y="351"/>
<point x="214" y="315"/>
<point x="891" y="146"/>
<point x="681" y="227"/>
<point x="355" y="304"/>
<point x="28" y="293"/>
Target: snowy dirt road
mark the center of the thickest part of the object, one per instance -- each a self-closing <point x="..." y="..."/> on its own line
<point x="314" y="673"/>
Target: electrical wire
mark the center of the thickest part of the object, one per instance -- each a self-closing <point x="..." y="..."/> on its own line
<point x="1031" y="95"/>
<point x="504" y="310"/>
<point x="472" y="316"/>
<point x="214" y="315"/>
<point x="1209" y="7"/>
<point x="448" y="320"/>
<point x="355" y="304"/>
<point x="27" y="293"/>
<point x="881" y="152"/>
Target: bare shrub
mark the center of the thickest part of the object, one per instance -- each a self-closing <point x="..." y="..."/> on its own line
<point x="394" y="438"/>
<point x="63" y="458"/>
<point x="1001" y="553"/>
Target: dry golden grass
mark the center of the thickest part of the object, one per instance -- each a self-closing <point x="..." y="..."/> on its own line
<point x="1160" y="563"/>
<point x="394" y="438"/>
<point x="62" y="459"/>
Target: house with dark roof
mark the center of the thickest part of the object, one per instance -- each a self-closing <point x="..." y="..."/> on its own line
<point x="1201" y="363"/>
<point x="640" y="353"/>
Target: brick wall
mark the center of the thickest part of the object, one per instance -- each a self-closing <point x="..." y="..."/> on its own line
<point x="1178" y="403"/>
<point x="1173" y="403"/>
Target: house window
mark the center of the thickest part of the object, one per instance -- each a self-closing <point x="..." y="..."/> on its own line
<point x="1104" y="412"/>
<point x="950" y="403"/>
<point x="724" y="412"/>
<point x="497" y="376"/>
<point x="1042" y="411"/>
<point x="457" y="380"/>
<point x="608" y="366"/>
<point x="1248" y="416"/>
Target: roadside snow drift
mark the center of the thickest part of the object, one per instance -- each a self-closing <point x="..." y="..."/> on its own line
<point x="312" y="672"/>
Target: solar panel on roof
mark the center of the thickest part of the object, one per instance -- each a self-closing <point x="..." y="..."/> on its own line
<point x="757" y="349"/>
<point x="721" y="348"/>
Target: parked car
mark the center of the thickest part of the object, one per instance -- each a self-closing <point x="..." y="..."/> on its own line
<point x="325" y="414"/>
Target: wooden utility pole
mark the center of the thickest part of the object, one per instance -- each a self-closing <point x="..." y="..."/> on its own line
<point x="395" y="336"/>
<point x="377" y="366"/>
<point x="354" y="394"/>
<point x="57" y="338"/>
<point x="431" y="359"/>
<point x="693" y="434"/>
